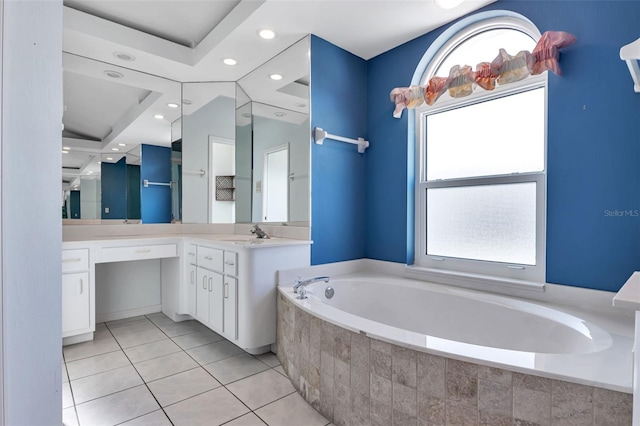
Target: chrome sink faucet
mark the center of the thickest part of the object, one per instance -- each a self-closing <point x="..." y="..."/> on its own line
<point x="300" y="287"/>
<point x="259" y="232"/>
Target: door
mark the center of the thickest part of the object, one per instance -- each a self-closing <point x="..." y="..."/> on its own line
<point x="275" y="191"/>
<point x="215" y="301"/>
<point x="76" y="312"/>
<point x="192" y="274"/>
<point x="231" y="308"/>
<point x="202" y="295"/>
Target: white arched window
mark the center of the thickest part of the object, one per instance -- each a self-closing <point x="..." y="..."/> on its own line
<point x="480" y="164"/>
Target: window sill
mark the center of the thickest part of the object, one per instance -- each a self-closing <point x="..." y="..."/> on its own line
<point x="502" y="285"/>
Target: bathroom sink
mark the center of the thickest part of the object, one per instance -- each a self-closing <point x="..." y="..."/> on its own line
<point x="236" y="238"/>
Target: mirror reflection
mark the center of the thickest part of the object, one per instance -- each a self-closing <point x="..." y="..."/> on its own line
<point x="278" y="104"/>
<point x="141" y="148"/>
<point x="116" y="142"/>
<point x="208" y="152"/>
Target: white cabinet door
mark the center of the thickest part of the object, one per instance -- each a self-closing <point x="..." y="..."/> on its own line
<point x="231" y="263"/>
<point x="191" y="289"/>
<point x="216" y="301"/>
<point x="76" y="309"/>
<point x="231" y="308"/>
<point x="202" y="295"/>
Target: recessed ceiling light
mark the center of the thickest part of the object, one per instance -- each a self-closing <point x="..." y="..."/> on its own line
<point x="124" y="56"/>
<point x="229" y="61"/>
<point x="99" y="162"/>
<point x="172" y="105"/>
<point x="186" y="102"/>
<point x="267" y="34"/>
<point x="246" y="114"/>
<point x="276" y="77"/>
<point x="279" y="114"/>
<point x="115" y="149"/>
<point x="122" y="144"/>
<point x="113" y="74"/>
<point x="66" y="148"/>
<point x="158" y="116"/>
<point x="109" y="158"/>
<point x="65" y="152"/>
<point x="447" y="4"/>
<point x="301" y="105"/>
<point x="89" y="172"/>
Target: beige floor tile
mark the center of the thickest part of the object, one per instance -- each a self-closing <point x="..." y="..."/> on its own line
<point x="96" y="364"/>
<point x="67" y="397"/>
<point x="215" y="407"/>
<point x="117" y="408"/>
<point x="235" y="368"/>
<point x="164" y="366"/>
<point x="181" y="386"/>
<point x="200" y="338"/>
<point x="140" y="337"/>
<point x="248" y="419"/>
<point x="131" y="327"/>
<point x="69" y="417"/>
<point x="261" y="389"/>
<point x="280" y="370"/>
<point x="269" y="358"/>
<point x="151" y="350"/>
<point x="102" y="343"/>
<point x="214" y="352"/>
<point x="99" y="385"/>
<point x="65" y="373"/>
<point x="180" y="328"/>
<point x="292" y="410"/>
<point x="156" y="418"/>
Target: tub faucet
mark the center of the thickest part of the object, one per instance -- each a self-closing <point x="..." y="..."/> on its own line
<point x="300" y="286"/>
<point x="259" y="232"/>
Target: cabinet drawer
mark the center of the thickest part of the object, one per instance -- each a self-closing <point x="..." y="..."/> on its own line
<point x="210" y="258"/>
<point x="230" y="263"/>
<point x="75" y="260"/>
<point x="142" y="252"/>
<point x="191" y="254"/>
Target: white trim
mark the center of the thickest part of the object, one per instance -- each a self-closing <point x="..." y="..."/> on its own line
<point x="3" y="400"/>
<point x="490" y="272"/>
<point x="114" y="316"/>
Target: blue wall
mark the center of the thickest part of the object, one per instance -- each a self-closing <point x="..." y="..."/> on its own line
<point x="593" y="146"/>
<point x="338" y="95"/>
<point x="74" y="205"/>
<point x="113" y="181"/>
<point x="155" y="200"/>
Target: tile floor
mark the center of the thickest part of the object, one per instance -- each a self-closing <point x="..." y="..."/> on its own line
<point x="149" y="370"/>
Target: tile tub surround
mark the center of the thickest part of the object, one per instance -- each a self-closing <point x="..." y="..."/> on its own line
<point x="352" y="379"/>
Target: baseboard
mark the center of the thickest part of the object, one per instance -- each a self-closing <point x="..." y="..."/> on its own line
<point x="113" y="316"/>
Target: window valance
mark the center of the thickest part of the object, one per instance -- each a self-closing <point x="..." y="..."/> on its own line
<point x="504" y="69"/>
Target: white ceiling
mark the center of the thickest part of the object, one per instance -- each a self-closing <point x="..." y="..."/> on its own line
<point x="185" y="41"/>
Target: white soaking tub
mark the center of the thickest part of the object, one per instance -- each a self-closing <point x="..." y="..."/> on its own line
<point x="550" y="341"/>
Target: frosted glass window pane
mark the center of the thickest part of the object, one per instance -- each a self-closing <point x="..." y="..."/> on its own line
<point x="500" y="136"/>
<point x="485" y="222"/>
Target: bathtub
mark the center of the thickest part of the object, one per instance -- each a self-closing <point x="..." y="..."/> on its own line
<point x="547" y="343"/>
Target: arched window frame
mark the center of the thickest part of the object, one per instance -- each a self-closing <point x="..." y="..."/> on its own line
<point x="453" y="270"/>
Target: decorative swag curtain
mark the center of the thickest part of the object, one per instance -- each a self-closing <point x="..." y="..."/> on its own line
<point x="504" y="69"/>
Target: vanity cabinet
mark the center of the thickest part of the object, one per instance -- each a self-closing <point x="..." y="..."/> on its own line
<point x="215" y="289"/>
<point x="234" y="291"/>
<point x="77" y="315"/>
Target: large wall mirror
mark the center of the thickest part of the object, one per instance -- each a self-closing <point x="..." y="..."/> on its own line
<point x="117" y="157"/>
<point x="272" y="124"/>
<point x="137" y="147"/>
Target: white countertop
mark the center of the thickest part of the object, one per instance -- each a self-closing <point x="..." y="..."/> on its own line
<point x="629" y="295"/>
<point x="242" y="240"/>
